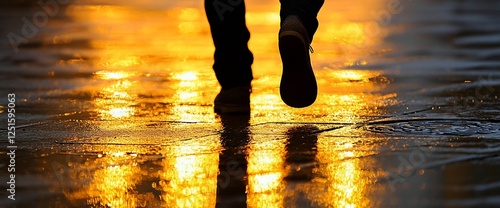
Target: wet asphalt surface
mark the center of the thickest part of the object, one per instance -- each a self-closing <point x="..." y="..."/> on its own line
<point x="113" y="108"/>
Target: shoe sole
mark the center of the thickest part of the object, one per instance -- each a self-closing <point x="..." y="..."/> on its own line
<point x="298" y="87"/>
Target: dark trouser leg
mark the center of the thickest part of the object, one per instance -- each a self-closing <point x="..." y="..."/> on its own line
<point x="307" y="10"/>
<point x="232" y="58"/>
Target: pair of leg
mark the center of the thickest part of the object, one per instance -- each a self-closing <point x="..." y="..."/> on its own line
<point x="233" y="59"/>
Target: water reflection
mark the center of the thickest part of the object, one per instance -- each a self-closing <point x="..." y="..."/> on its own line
<point x="114" y="185"/>
<point x="110" y="180"/>
<point x="233" y="164"/>
<point x="188" y="100"/>
<point x="348" y="182"/>
<point x="151" y="65"/>
<point x="188" y="177"/>
<point x="354" y="94"/>
<point x="115" y="100"/>
<point x="239" y="168"/>
<point x="266" y="172"/>
<point x="144" y="67"/>
<point x="110" y="75"/>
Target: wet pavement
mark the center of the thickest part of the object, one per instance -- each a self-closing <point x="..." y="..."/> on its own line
<point x="113" y="108"/>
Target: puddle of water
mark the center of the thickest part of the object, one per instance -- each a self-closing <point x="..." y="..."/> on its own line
<point x="115" y="107"/>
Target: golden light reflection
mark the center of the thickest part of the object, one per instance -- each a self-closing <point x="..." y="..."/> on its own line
<point x="190" y="101"/>
<point x="121" y="112"/>
<point x="345" y="95"/>
<point x="186" y="76"/>
<point x="189" y="176"/>
<point x="355" y="75"/>
<point x="128" y="38"/>
<point x="188" y="82"/>
<point x="353" y="95"/>
<point x="267" y="101"/>
<point x="265" y="172"/>
<point x="115" y="101"/>
<point x="112" y="183"/>
<point x="143" y="59"/>
<point x="120" y="61"/>
<point x="351" y="33"/>
<point x="113" y="74"/>
<point x="347" y="182"/>
<point x="130" y="42"/>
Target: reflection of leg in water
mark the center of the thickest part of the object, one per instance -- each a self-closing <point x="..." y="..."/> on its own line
<point x="231" y="182"/>
<point x="301" y="152"/>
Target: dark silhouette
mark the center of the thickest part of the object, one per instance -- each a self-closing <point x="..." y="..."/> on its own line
<point x="233" y="59"/>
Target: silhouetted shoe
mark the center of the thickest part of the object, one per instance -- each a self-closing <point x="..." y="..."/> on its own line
<point x="298" y="86"/>
<point x="235" y="100"/>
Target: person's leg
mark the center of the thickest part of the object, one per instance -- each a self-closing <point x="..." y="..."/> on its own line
<point x="232" y="58"/>
<point x="298" y="86"/>
<point x="306" y="10"/>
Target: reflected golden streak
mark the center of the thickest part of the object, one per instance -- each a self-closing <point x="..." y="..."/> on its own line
<point x="355" y="75"/>
<point x="121" y="112"/>
<point x="115" y="102"/>
<point x="106" y="75"/>
<point x="129" y="41"/>
<point x="346" y="183"/>
<point x="187" y="90"/>
<point x="187" y="95"/>
<point x="118" y="61"/>
<point x="113" y="185"/>
<point x="265" y="173"/>
<point x="267" y="101"/>
<point x="189" y="178"/>
<point x="344" y="180"/>
<point x="265" y="182"/>
<point x="186" y="76"/>
<point x="349" y="94"/>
